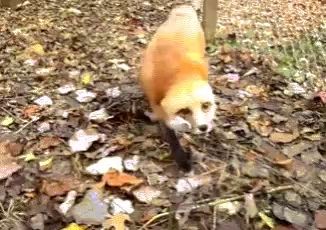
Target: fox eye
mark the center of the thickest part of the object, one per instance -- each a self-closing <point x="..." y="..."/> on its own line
<point x="185" y="111"/>
<point x="205" y="106"/>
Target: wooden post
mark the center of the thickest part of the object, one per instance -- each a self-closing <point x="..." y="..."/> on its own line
<point x="209" y="19"/>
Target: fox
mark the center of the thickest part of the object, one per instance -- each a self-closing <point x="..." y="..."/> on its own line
<point x="174" y="79"/>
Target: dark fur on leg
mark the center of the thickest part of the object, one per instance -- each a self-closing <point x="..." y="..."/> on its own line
<point x="182" y="158"/>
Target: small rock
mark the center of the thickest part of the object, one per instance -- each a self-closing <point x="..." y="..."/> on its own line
<point x="322" y="175"/>
<point x="104" y="165"/>
<point x="293" y="198"/>
<point x="65" y="89"/>
<point x="37" y="222"/>
<point x="43" y="101"/>
<point x="113" y="92"/>
<point x="146" y="194"/>
<point x="320" y="219"/>
<point x="44" y="127"/>
<point x="91" y="210"/>
<point x="82" y="140"/>
<point x="254" y="170"/>
<point x="84" y="96"/>
<point x="99" y="115"/>
<point x="121" y="206"/>
<point x="132" y="164"/>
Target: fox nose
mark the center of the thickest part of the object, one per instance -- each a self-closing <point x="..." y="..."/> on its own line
<point x="202" y="128"/>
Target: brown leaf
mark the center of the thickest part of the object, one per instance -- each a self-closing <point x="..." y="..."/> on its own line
<point x="8" y="164"/>
<point x="320" y="219"/>
<point x="118" y="179"/>
<point x="14" y="149"/>
<point x="279" y="137"/>
<point x="59" y="186"/>
<point x="117" y="222"/>
<point x="30" y="111"/>
<point x="47" y="142"/>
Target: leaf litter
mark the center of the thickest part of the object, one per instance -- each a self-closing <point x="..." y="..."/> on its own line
<point x="87" y="128"/>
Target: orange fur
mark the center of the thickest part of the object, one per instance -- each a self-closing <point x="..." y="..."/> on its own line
<point x="174" y="58"/>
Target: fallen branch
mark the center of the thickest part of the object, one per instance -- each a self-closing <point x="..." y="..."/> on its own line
<point x="215" y="202"/>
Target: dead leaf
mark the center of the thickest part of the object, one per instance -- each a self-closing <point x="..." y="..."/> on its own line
<point x="8" y="164"/>
<point x="117" y="221"/>
<point x="279" y="137"/>
<point x="118" y="179"/>
<point x="47" y="142"/>
<point x="59" y="186"/>
<point x="14" y="149"/>
<point x="73" y="226"/>
<point x="30" y="111"/>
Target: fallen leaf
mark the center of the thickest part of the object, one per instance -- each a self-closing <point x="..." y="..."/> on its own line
<point x="146" y="194"/>
<point x="46" y="164"/>
<point x="104" y="165"/>
<point x="83" y="139"/>
<point x="267" y="220"/>
<point x="37" y="49"/>
<point x="117" y="221"/>
<point x="43" y="101"/>
<point x="320" y="219"/>
<point x="7" y="120"/>
<point x="255" y="90"/>
<point x="30" y="110"/>
<point x="118" y="179"/>
<point x="65" y="89"/>
<point x="118" y="205"/>
<point x="113" y="92"/>
<point x="14" y="149"/>
<point x="28" y="157"/>
<point x="8" y="164"/>
<point x="185" y="185"/>
<point x="91" y="209"/>
<point x="68" y="202"/>
<point x="86" y="78"/>
<point x="47" y="142"/>
<point x="59" y="186"/>
<point x="279" y="137"/>
<point x="74" y="226"/>
<point x="84" y="95"/>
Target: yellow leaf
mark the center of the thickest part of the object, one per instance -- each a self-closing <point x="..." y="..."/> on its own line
<point x="28" y="157"/>
<point x="117" y="221"/>
<point x="38" y="49"/>
<point x="46" y="163"/>
<point x="73" y="226"/>
<point x="267" y="220"/>
<point x="86" y="78"/>
<point x="7" y="121"/>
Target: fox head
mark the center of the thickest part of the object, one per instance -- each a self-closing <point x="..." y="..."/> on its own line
<point x="194" y="102"/>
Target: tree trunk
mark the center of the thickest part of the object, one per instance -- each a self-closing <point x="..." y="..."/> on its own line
<point x="209" y="19"/>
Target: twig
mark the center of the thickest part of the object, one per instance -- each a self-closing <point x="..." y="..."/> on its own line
<point x="216" y="202"/>
<point x="27" y="124"/>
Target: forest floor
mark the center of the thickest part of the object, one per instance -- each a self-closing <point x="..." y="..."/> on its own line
<point x="76" y="155"/>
